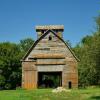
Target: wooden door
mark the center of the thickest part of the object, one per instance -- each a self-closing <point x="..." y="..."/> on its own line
<point x="30" y="79"/>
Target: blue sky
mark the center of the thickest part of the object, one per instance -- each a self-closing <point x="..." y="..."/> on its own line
<point x="18" y="18"/>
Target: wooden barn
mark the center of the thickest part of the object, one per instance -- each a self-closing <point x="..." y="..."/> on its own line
<point x="49" y="62"/>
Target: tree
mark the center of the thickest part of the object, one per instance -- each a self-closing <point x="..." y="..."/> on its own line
<point x="10" y="65"/>
<point x="88" y="52"/>
<point x="25" y="44"/>
<point x="97" y="20"/>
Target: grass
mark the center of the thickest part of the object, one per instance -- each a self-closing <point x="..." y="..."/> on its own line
<point x="46" y="94"/>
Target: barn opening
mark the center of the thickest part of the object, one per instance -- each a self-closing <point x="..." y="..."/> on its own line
<point x="70" y="84"/>
<point x="49" y="79"/>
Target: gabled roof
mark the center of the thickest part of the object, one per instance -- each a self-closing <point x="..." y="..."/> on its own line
<point x="35" y="43"/>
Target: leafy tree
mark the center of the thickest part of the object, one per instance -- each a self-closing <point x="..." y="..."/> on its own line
<point x="97" y="20"/>
<point x="88" y="52"/>
<point x="10" y="65"/>
<point x="9" y="61"/>
<point x="2" y="81"/>
<point x="25" y="44"/>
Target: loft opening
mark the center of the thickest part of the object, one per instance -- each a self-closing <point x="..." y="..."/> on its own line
<point x="50" y="38"/>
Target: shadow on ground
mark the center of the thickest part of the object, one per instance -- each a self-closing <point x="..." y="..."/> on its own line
<point x="95" y="97"/>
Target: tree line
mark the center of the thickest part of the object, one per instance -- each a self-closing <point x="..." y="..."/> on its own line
<point x="88" y="51"/>
<point x="10" y="64"/>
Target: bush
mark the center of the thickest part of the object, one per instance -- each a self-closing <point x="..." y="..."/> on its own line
<point x="7" y="86"/>
<point x="2" y="81"/>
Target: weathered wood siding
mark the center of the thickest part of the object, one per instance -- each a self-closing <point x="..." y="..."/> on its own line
<point x="53" y="47"/>
<point x="50" y="55"/>
<point x="29" y="75"/>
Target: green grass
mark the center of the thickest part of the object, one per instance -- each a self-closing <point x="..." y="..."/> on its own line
<point x="46" y="94"/>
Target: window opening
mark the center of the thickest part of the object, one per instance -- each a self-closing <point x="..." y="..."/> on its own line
<point x="50" y="38"/>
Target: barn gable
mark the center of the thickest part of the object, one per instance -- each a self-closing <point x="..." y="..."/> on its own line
<point x="49" y="56"/>
<point x="45" y="39"/>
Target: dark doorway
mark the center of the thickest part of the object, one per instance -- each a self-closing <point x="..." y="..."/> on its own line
<point x="49" y="79"/>
<point x="70" y="84"/>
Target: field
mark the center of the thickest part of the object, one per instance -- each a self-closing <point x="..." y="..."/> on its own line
<point x="46" y="94"/>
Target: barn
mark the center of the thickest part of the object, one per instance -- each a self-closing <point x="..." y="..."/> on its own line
<point x="49" y="62"/>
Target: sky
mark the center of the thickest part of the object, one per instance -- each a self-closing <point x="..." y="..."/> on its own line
<point x="18" y="18"/>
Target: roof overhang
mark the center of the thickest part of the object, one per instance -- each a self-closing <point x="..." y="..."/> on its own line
<point x="50" y="27"/>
